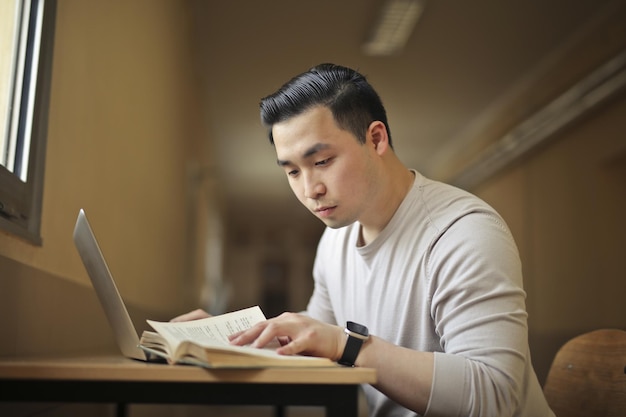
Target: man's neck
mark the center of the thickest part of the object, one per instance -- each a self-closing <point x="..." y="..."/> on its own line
<point x="391" y="199"/>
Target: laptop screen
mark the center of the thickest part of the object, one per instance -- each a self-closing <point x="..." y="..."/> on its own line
<point x="102" y="281"/>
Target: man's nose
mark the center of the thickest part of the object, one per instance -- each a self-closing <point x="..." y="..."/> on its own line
<point x="313" y="187"/>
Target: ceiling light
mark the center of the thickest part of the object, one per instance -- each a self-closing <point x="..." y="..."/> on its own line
<point x="394" y="27"/>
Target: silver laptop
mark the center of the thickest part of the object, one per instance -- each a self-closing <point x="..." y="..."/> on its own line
<point x="124" y="331"/>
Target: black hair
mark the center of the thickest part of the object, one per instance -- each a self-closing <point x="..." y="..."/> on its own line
<point x="352" y="100"/>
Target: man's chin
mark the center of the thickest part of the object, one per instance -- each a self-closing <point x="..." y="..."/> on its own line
<point x="334" y="223"/>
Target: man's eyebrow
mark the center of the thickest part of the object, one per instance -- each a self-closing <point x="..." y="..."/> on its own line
<point x="307" y="154"/>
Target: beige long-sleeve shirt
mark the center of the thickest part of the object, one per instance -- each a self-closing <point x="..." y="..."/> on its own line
<point x="444" y="276"/>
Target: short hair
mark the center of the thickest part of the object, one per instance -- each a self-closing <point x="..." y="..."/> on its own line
<point x="352" y="101"/>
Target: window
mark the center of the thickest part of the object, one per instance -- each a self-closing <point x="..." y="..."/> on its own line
<point x="26" y="40"/>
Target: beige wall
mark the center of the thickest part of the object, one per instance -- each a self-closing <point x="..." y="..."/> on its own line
<point x="123" y="130"/>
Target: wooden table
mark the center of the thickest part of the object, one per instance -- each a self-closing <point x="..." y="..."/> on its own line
<point x="113" y="379"/>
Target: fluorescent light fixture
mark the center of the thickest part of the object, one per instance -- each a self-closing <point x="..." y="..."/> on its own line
<point x="394" y="27"/>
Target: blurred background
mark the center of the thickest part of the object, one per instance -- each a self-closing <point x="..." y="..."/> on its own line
<point x="154" y="131"/>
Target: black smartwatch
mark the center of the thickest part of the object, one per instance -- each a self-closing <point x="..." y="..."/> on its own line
<point x="357" y="335"/>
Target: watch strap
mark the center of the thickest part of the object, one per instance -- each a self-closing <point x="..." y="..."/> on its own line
<point x="353" y="347"/>
<point x="357" y="335"/>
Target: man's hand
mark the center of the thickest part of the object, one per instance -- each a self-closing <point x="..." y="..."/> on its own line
<point x="298" y="334"/>
<point x="192" y="315"/>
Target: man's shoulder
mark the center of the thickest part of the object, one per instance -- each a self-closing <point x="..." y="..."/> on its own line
<point x="438" y="205"/>
<point x="437" y="196"/>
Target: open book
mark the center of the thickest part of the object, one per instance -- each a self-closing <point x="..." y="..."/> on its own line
<point x="205" y="343"/>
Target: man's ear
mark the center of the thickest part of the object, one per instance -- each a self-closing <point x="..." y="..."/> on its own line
<point x="378" y="133"/>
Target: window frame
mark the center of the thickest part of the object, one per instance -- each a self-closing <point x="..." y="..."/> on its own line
<point x="21" y="202"/>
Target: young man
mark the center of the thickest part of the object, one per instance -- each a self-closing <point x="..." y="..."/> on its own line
<point x="431" y="271"/>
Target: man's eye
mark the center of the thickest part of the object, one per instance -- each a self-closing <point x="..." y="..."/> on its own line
<point x="323" y="162"/>
<point x="292" y="173"/>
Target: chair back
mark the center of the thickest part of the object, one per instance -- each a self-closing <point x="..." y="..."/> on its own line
<point x="588" y="376"/>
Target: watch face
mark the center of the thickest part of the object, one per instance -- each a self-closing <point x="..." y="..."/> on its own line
<point x="357" y="328"/>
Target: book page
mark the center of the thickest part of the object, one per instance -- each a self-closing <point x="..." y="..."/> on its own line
<point x="205" y="343"/>
<point x="211" y="331"/>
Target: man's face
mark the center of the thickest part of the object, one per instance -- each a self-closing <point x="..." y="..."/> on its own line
<point x="329" y="170"/>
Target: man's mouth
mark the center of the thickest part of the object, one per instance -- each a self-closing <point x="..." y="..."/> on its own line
<point x="325" y="211"/>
